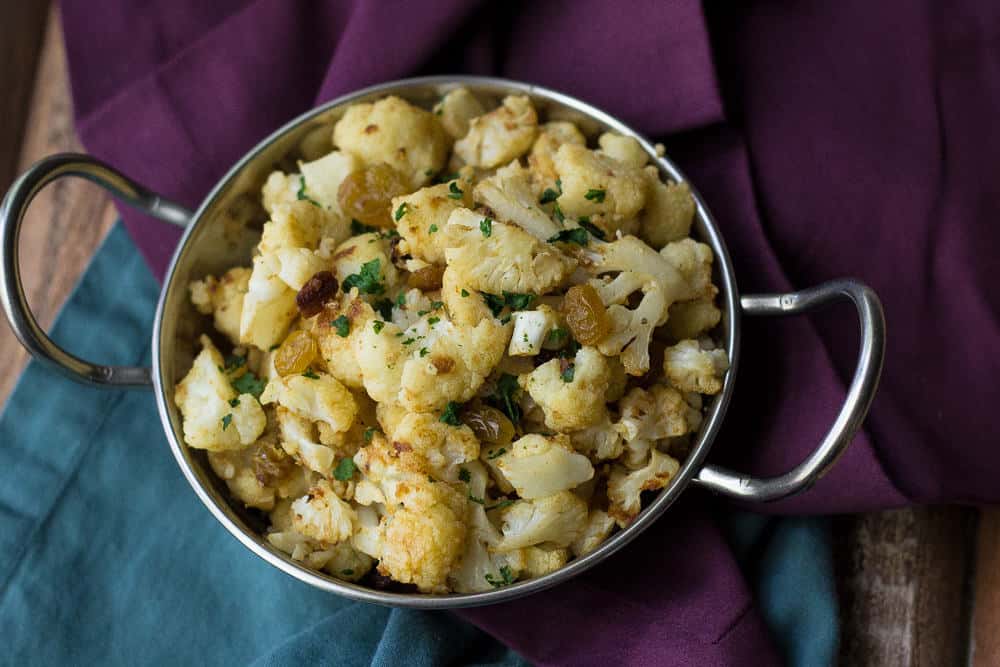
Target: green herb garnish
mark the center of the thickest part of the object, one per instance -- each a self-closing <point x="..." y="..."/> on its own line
<point x="301" y="193"/>
<point x="455" y="192"/>
<point x="227" y="420"/>
<point x="595" y="195"/>
<point x="506" y="578"/>
<point x="358" y="228"/>
<point x="464" y="475"/>
<point x="568" y="373"/>
<point x="464" y="292"/>
<point x="577" y="235"/>
<point x="344" y="470"/>
<point x="401" y="300"/>
<point x="248" y="383"/>
<point x="557" y="334"/>
<point x="377" y="326"/>
<point x="432" y="229"/>
<point x="342" y="325"/>
<point x="518" y="301"/>
<point x="551" y="195"/>
<point x="233" y="402"/>
<point x="494" y="302"/>
<point x="369" y="433"/>
<point x="368" y="281"/>
<point x="450" y="414"/>
<point x="592" y="228"/>
<point x="505" y="395"/>
<point x="311" y="374"/>
<point x="424" y="352"/>
<point x="400" y="211"/>
<point x="384" y="308"/>
<point x="558" y="214"/>
<point x="431" y="321"/>
<point x="486" y="227"/>
<point x="496" y="453"/>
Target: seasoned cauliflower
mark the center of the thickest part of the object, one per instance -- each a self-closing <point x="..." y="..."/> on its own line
<point x="465" y="305"/>
<point x="571" y="393"/>
<point x="407" y="138"/>
<point x="268" y="306"/>
<point x="598" y="528"/>
<point x="297" y="265"/>
<point x="337" y="350"/>
<point x="651" y="416"/>
<point x="597" y="185"/>
<point x="509" y="196"/>
<point x="322" y="516"/>
<point x="259" y="474"/>
<point x="626" y="150"/>
<point x="279" y="188"/>
<point x="502" y="259"/>
<point x="600" y="442"/>
<point x="424" y="216"/>
<point x="669" y="211"/>
<point x="690" y="368"/>
<point x="502" y="135"/>
<point x="321" y="178"/>
<point x="214" y="416"/>
<point x="365" y="262"/>
<point x="222" y="298"/>
<point x="444" y="446"/>
<point x="541" y="160"/>
<point x="539" y="466"/>
<point x="625" y="486"/>
<point x="456" y="109"/>
<point x="690" y="319"/>
<point x="299" y="224"/>
<point x="693" y="262"/>
<point x="557" y="519"/>
<point x="531" y="330"/>
<point x="318" y="397"/>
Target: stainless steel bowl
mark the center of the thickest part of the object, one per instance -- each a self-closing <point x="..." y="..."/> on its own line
<point x="223" y="232"/>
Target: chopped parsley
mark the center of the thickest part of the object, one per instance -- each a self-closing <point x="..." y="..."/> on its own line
<point x="437" y="305"/>
<point x="347" y="573"/>
<point x="401" y="300"/>
<point x="568" y="374"/>
<point x="342" y="325"/>
<point x="384" y="308"/>
<point x="301" y="193"/>
<point x="444" y="178"/>
<point x="248" y="383"/>
<point x="506" y="502"/>
<point x="377" y="326"/>
<point x="464" y="475"/>
<point x="455" y="192"/>
<point x="494" y="302"/>
<point x="358" y="228"/>
<point x="433" y="320"/>
<point x="368" y="281"/>
<point x="505" y="395"/>
<point x="233" y="402"/>
<point x="311" y="374"/>
<point x="518" y="301"/>
<point x="506" y="578"/>
<point x="450" y="414"/>
<point x="570" y="350"/>
<point x="227" y="420"/>
<point x="476" y="499"/>
<point x="557" y="334"/>
<point x="369" y="433"/>
<point x="234" y="361"/>
<point x="409" y="341"/>
<point x="274" y="347"/>
<point x="558" y="214"/>
<point x="505" y="319"/>
<point x="344" y="470"/>
<point x="595" y="195"/>
<point x="577" y="235"/>
<point x="401" y="211"/>
<point x="592" y="228"/>
<point x="421" y="313"/>
<point x="424" y="352"/>
<point x="432" y="229"/>
<point x="486" y="227"/>
<point x="464" y="292"/>
<point x="551" y="195"/>
<point x="496" y="453"/>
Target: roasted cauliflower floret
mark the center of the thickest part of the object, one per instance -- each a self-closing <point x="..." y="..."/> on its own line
<point x="502" y="135"/>
<point x="215" y="417"/>
<point x="395" y="132"/>
<point x="465" y="304"/>
<point x="625" y="487"/>
<point x="502" y="259"/>
<point x="598" y="528"/>
<point x="299" y="439"/>
<point x="531" y="330"/>
<point x="445" y="447"/>
<point x="424" y="216"/>
<point x="297" y="265"/>
<point x="626" y="150"/>
<point x="322" y="516"/>
<point x="509" y="195"/>
<point x="539" y="466"/>
<point x="557" y="519"/>
<point x="651" y="416"/>
<point x="690" y="368"/>
<point x="338" y="350"/>
<point x="347" y="563"/>
<point x="261" y="473"/>
<point x="380" y="356"/>
<point x="456" y="109"/>
<point x="571" y="393"/>
<point x="600" y="442"/>
<point x="222" y="298"/>
<point x="300" y="224"/>
<point x="279" y="188"/>
<point x="268" y="306"/>
<point x="669" y="210"/>
<point x="693" y="262"/>
<point x="597" y="185"/>
<point x="690" y="319"/>
<point x="365" y="262"/>
<point x="319" y="398"/>
<point x="321" y="178"/>
<point x="541" y="160"/>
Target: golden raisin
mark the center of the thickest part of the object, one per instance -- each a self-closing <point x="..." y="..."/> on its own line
<point x="366" y="195"/>
<point x="296" y="354"/>
<point x="426" y="279"/>
<point x="316" y="292"/>
<point x="270" y="463"/>
<point x="585" y="315"/>
<point x="491" y="426"/>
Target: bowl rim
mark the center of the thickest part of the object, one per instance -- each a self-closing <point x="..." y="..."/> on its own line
<point x="728" y="297"/>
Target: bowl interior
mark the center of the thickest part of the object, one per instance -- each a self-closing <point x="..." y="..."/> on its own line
<point x="225" y="230"/>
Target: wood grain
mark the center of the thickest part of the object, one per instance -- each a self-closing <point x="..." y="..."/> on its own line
<point x="986" y="610"/>
<point x="68" y="219"/>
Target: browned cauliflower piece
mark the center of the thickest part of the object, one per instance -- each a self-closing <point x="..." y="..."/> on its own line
<point x="509" y="196"/>
<point x="693" y="261"/>
<point x="456" y="109"/>
<point x="538" y="466"/>
<point x="300" y="224"/>
<point x="690" y="319"/>
<point x="366" y="250"/>
<point x="541" y="160"/>
<point x="625" y="487"/>
<point x="669" y="211"/>
<point x="504" y="259"/>
<point x="502" y="135"/>
<point x="338" y="351"/>
<point x="598" y="186"/>
<point x="445" y="447"/>
<point x="598" y="528"/>
<point x="689" y="367"/>
<point x="557" y="519"/>
<point x="320" y="179"/>
<point x="318" y="397"/>
<point x="571" y="393"/>
<point x="222" y="298"/>
<point x="320" y="515"/>
<point x="626" y="150"/>
<point x="465" y="304"/>
<point x="395" y="132"/>
<point x="268" y="306"/>
<point x="424" y="216"/>
<point x="651" y="416"/>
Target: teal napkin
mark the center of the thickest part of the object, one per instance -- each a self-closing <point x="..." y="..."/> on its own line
<point x="107" y="556"/>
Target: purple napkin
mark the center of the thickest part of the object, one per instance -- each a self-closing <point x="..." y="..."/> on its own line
<point x="844" y="139"/>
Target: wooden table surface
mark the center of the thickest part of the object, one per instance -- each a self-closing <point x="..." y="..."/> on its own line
<point x="916" y="586"/>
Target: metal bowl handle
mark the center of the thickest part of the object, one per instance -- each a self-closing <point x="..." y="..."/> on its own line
<point x="15" y="305"/>
<point x="856" y="404"/>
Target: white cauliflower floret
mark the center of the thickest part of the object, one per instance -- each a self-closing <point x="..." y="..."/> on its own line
<point x="366" y="539"/>
<point x="268" y="306"/>
<point x="502" y="135"/>
<point x="456" y="109"/>
<point x="690" y="368"/>
<point x="690" y="319"/>
<point x="444" y="446"/>
<point x="319" y="398"/>
<point x="625" y="487"/>
<point x="297" y="265"/>
<point x="626" y="150"/>
<point x="600" y="442"/>
<point x="415" y="306"/>
<point x="669" y="211"/>
<point x="531" y="330"/>
<point x="693" y="262"/>
<point x="380" y="356"/>
<point x="571" y="399"/>
<point x="366" y="250"/>
<point x="279" y="188"/>
<point x="541" y="160"/>
<point x="558" y="519"/>
<point x="598" y="528"/>
<point x="397" y="133"/>
<point x="339" y="351"/>
<point x="630" y="254"/>
<point x="596" y="185"/>
<point x="215" y="417"/>
<point x="322" y="177"/>
<point x="424" y="216"/>
<point x="222" y="298"/>
<point x="539" y="466"/>
<point x="509" y="195"/>
<point x="648" y="417"/>
<point x="538" y="561"/>
<point x="507" y="260"/>
<point x="322" y="516"/>
<point x="465" y="305"/>
<point x="300" y="224"/>
<point x="298" y="438"/>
